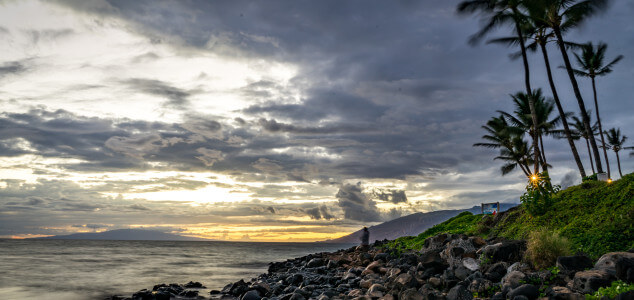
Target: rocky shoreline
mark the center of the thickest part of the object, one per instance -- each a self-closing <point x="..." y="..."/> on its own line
<point x="449" y="266"/>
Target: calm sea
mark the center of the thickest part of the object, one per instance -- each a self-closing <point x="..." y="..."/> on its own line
<point x="81" y="269"/>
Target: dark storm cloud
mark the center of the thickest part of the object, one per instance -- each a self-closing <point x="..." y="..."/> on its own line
<point x="356" y="205"/>
<point x="393" y="196"/>
<point x="320" y="212"/>
<point x="177" y="98"/>
<point x="12" y="67"/>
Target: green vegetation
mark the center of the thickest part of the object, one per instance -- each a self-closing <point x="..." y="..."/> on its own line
<point x="596" y="217"/>
<point x="612" y="291"/>
<point x="539" y="195"/>
<point x="544" y="246"/>
<point x="465" y="222"/>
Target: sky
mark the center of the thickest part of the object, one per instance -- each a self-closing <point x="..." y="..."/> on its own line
<point x="266" y="120"/>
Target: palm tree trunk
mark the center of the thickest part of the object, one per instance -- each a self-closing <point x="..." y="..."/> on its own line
<point x="596" y="107"/>
<point x="618" y="163"/>
<point x="562" y="114"/>
<point x="582" y="107"/>
<point x="529" y="93"/>
<point x="543" y="154"/>
<point x="590" y="154"/>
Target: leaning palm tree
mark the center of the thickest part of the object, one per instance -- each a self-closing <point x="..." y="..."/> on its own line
<point x="579" y="131"/>
<point x="615" y="141"/>
<point x="592" y="65"/>
<point x="522" y="119"/>
<point x="541" y="36"/>
<point x="501" y="135"/>
<point x="561" y="16"/>
<point x="505" y="12"/>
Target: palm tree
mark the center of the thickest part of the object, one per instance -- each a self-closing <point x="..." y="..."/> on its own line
<point x="579" y="131"/>
<point x="541" y="36"/>
<point x="615" y="140"/>
<point x="561" y="16"/>
<point x="503" y="12"/>
<point x="509" y="140"/>
<point x="591" y="63"/>
<point x="522" y="119"/>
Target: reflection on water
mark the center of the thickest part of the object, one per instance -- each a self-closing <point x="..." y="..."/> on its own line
<point x="79" y="269"/>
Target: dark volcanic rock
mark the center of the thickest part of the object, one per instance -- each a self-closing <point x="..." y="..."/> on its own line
<point x="571" y="264"/>
<point x="251" y="295"/>
<point x="459" y="292"/>
<point x="590" y="281"/>
<point x="508" y="251"/>
<point x="624" y="267"/>
<point x="527" y="290"/>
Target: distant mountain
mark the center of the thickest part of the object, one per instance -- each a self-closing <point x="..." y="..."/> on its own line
<point x="409" y="225"/>
<point x="126" y="235"/>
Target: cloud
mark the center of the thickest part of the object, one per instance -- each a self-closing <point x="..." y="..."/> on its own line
<point x="356" y="205"/>
<point x="320" y="212"/>
<point x="11" y="68"/>
<point x="177" y="98"/>
<point x="209" y="156"/>
<point x="569" y="179"/>
<point x="393" y="196"/>
<point x="135" y="146"/>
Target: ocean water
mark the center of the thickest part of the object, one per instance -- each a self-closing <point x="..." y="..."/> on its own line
<point x="90" y="269"/>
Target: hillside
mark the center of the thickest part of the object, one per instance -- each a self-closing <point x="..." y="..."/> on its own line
<point x="409" y="225"/>
<point x="125" y="235"/>
<point x="596" y="217"/>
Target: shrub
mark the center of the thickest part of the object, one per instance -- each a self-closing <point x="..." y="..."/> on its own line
<point x="539" y="195"/>
<point x="545" y="246"/>
<point x="612" y="291"/>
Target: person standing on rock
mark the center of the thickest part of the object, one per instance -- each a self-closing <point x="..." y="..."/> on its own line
<point x="365" y="237"/>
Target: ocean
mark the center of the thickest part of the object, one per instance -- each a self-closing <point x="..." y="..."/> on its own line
<point x="92" y="269"/>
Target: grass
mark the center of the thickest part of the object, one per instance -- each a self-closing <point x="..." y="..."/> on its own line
<point x="544" y="246"/>
<point x="596" y="217"/>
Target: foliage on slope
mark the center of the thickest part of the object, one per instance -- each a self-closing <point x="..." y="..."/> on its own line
<point x="596" y="217"/>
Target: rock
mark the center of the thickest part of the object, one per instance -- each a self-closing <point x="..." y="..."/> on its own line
<point x="624" y="268"/>
<point x="477" y="241"/>
<point x="563" y="293"/>
<point x="189" y="294"/>
<point x="387" y="297"/>
<point x="355" y="293"/>
<point x="590" y="281"/>
<point x="571" y="264"/>
<point x="296" y="296"/>
<point x="160" y="295"/>
<point x="480" y="286"/>
<point x="607" y="262"/>
<point x="471" y="264"/>
<point x="527" y="290"/>
<point x="513" y="279"/>
<point x="519" y="297"/>
<point x="410" y="294"/>
<point x="196" y="285"/>
<point x="366" y="283"/>
<point x="332" y="264"/>
<point x="509" y="251"/>
<point x="295" y="279"/>
<point x="455" y="251"/>
<point x="316" y="262"/>
<point x="435" y="282"/>
<point x="382" y="256"/>
<point x="496" y="271"/>
<point x="404" y="281"/>
<point x="459" y="292"/>
<point x="461" y="272"/>
<point x="236" y="289"/>
<point x="518" y="266"/>
<point x="251" y="295"/>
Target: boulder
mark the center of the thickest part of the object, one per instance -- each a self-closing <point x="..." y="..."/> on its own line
<point x="513" y="279"/>
<point x="480" y="286"/>
<point x="461" y="272"/>
<point x="624" y="268"/>
<point x="432" y="260"/>
<point x="471" y="264"/>
<point x="459" y="292"/>
<point x="607" y="262"/>
<point x="509" y="251"/>
<point x="496" y="271"/>
<point x="590" y="281"/>
<point x="316" y="262"/>
<point x="196" y="285"/>
<point x="563" y="293"/>
<point x="571" y="264"/>
<point x="251" y="295"/>
<point x="410" y="294"/>
<point x="455" y="250"/>
<point x="405" y="281"/>
<point x="527" y="290"/>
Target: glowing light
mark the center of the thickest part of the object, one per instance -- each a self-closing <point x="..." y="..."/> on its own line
<point x="609" y="180"/>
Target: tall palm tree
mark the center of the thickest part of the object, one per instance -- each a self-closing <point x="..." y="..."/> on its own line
<point x="541" y="36"/>
<point x="616" y="141"/>
<point x="501" y="135"/>
<point x="504" y="12"/>
<point x="522" y="119"/>
<point x="561" y="16"/>
<point x="579" y="131"/>
<point x="592" y="65"/>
